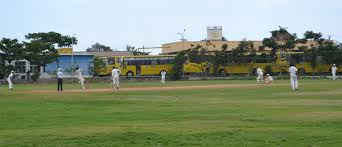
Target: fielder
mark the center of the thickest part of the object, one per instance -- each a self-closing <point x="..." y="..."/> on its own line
<point x="163" y="73"/>
<point x="293" y="76"/>
<point x="333" y="71"/>
<point x="10" y="80"/>
<point x="80" y="77"/>
<point x="60" y="77"/>
<point x="115" y="77"/>
<point x="269" y="79"/>
<point x="260" y="75"/>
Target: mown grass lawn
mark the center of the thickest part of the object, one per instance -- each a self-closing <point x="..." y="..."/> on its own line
<point x="258" y="115"/>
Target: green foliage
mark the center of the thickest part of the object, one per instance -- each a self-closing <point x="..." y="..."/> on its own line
<point x="10" y="50"/>
<point x="312" y="35"/>
<point x="35" y="76"/>
<point x="98" y="64"/>
<point x="40" y="53"/>
<point x="97" y="47"/>
<point x="135" y="52"/>
<point x="52" y="38"/>
<point x="280" y="40"/>
<point x="178" y="65"/>
<point x="40" y="50"/>
<point x="244" y="52"/>
<point x="268" y="69"/>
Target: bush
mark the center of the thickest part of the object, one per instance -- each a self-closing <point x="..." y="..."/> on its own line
<point x="268" y="69"/>
<point x="35" y="76"/>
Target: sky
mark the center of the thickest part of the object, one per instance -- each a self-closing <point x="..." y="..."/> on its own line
<point x="151" y="23"/>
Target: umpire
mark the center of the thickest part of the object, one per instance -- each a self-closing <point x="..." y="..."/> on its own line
<point x="60" y="80"/>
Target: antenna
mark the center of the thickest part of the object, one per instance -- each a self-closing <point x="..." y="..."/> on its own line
<point x="182" y="35"/>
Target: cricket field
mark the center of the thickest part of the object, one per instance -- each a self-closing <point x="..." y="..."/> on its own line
<point x="179" y="113"/>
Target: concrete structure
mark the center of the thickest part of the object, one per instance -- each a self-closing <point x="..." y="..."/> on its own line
<point x="214" y="33"/>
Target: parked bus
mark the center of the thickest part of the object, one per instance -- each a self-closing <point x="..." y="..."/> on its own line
<point x="131" y="66"/>
<point x="280" y="64"/>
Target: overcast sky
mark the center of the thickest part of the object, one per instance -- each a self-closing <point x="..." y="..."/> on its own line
<point x="150" y="23"/>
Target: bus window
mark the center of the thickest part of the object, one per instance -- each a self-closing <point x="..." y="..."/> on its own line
<point x="118" y="60"/>
<point x="164" y="60"/>
<point x="104" y="60"/>
<point x="154" y="62"/>
<point x="111" y="61"/>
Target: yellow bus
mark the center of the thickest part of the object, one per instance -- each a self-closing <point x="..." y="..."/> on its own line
<point x="137" y="65"/>
<point x="131" y="66"/>
<point x="279" y="65"/>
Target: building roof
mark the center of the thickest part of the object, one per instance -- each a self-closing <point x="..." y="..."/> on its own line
<point x="111" y="54"/>
<point x="77" y="54"/>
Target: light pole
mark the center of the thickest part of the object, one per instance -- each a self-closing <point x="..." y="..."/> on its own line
<point x="72" y="58"/>
<point x="183" y="40"/>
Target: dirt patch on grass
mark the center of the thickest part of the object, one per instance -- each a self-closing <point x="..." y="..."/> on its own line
<point x="159" y="88"/>
<point x="320" y="93"/>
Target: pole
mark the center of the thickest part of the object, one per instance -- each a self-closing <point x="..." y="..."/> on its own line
<point x="72" y="60"/>
<point x="72" y="64"/>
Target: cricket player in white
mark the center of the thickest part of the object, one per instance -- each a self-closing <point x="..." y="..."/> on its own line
<point x="269" y="79"/>
<point x="260" y="75"/>
<point x="163" y="73"/>
<point x="80" y="77"/>
<point x="9" y="80"/>
<point x="60" y="77"/>
<point x="115" y="77"/>
<point x="293" y="76"/>
<point x="333" y="71"/>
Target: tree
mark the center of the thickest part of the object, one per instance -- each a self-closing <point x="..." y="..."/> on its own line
<point x="40" y="49"/>
<point x="98" y="65"/>
<point x="178" y="65"/>
<point x="10" y="50"/>
<point x="280" y="40"/>
<point x="53" y="38"/>
<point x="221" y="58"/>
<point x="134" y="51"/>
<point x="97" y="47"/>
<point x="244" y="52"/>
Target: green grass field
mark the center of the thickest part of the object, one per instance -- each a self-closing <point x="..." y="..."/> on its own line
<point x="257" y="115"/>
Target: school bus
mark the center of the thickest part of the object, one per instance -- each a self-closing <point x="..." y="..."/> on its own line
<point x="279" y="65"/>
<point x="131" y="66"/>
<point x="137" y="65"/>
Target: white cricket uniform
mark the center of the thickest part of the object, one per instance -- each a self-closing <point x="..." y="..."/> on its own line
<point x="293" y="76"/>
<point x="115" y="77"/>
<point x="80" y="77"/>
<point x="9" y="80"/>
<point x="163" y="73"/>
<point x="260" y="75"/>
<point x="269" y="79"/>
<point x="333" y="72"/>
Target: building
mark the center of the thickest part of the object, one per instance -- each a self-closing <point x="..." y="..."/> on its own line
<point x="111" y="54"/>
<point x="214" y="42"/>
<point x="68" y="63"/>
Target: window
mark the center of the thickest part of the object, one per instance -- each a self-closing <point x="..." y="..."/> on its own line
<point x="111" y="61"/>
<point x="34" y="69"/>
<point x="20" y="66"/>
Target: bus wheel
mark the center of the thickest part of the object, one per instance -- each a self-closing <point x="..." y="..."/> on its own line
<point x="129" y="74"/>
<point x="301" y="71"/>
